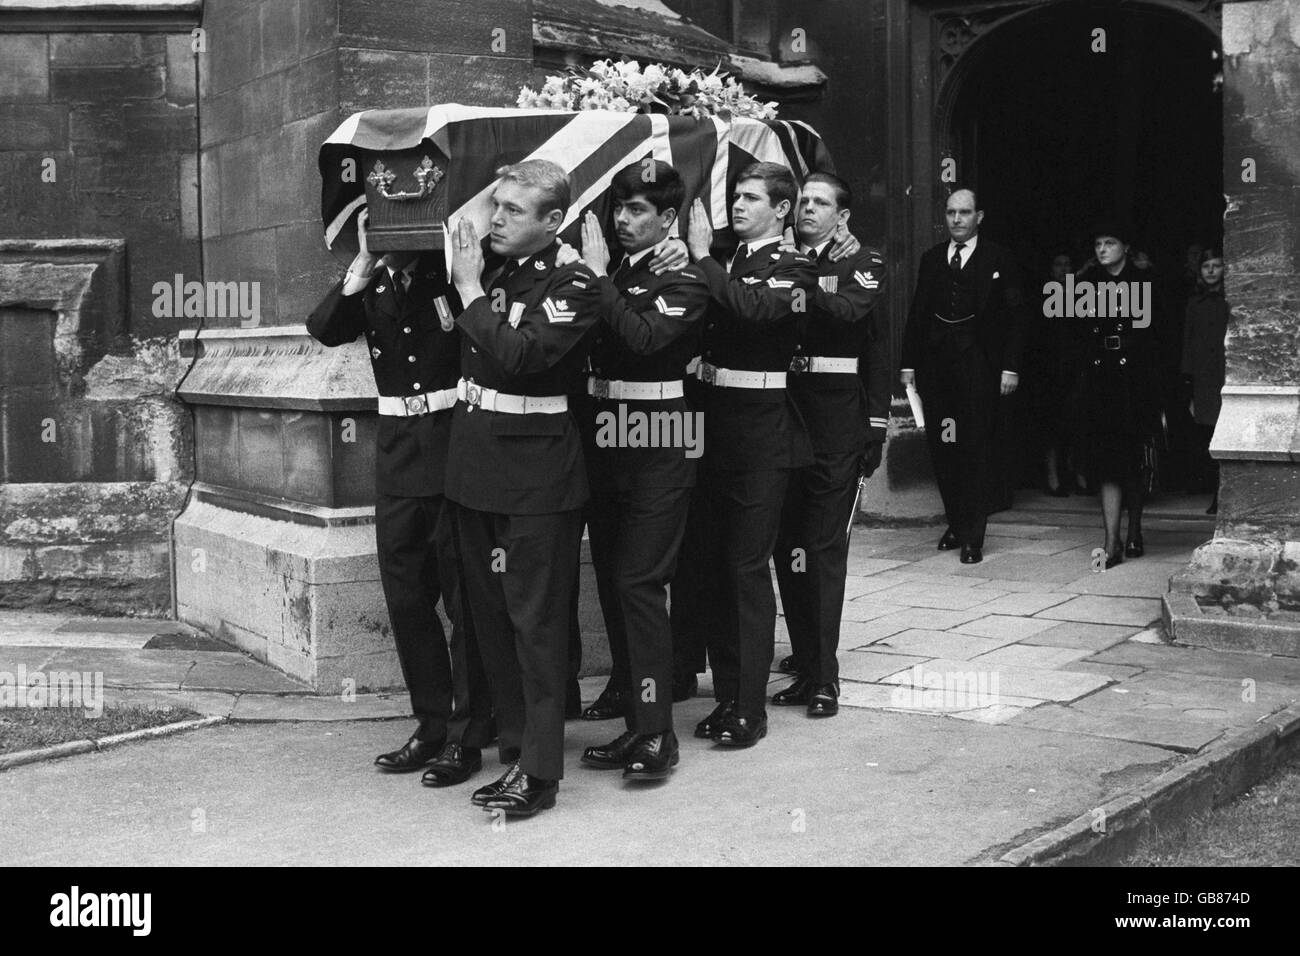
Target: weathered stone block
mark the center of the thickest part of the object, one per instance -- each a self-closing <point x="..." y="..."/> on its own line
<point x="105" y="85"/>
<point x="26" y="74"/>
<point x="371" y="79"/>
<point x="279" y="33"/>
<point x="95" y="49"/>
<point x="32" y="126"/>
<point x="181" y="70"/>
<point x="459" y="26"/>
<point x="312" y="87"/>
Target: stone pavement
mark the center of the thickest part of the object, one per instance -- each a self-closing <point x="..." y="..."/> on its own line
<point x="983" y="706"/>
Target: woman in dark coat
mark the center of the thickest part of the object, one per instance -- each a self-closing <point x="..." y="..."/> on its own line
<point x="1120" y="398"/>
<point x="1203" y="361"/>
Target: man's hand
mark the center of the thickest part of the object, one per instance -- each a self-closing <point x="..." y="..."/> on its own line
<point x="699" y="233"/>
<point x="365" y="262"/>
<point x="669" y="256"/>
<point x="1009" y="382"/>
<point x="594" y="251"/>
<point x="567" y="254"/>
<point x="871" y="456"/>
<point x="788" y="242"/>
<point x="466" y="262"/>
<point x="845" y="244"/>
<point x="907" y="377"/>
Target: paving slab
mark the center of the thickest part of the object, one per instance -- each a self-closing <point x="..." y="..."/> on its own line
<point x="124" y="667"/>
<point x="1014" y="586"/>
<point x="946" y="644"/>
<point x="1173" y="734"/>
<point x="207" y="703"/>
<point x="1029" y="568"/>
<point x="861" y="610"/>
<point x="871" y="665"/>
<point x="1099" y="609"/>
<point x="1022" y="603"/>
<point x="925" y="617"/>
<point x="1215" y="701"/>
<point x="1006" y="681"/>
<point x="32" y="657"/>
<point x="918" y="594"/>
<point x="1229" y="665"/>
<point x="1096" y="637"/>
<point x="1003" y="626"/>
<point x="1116" y="672"/>
<point x="273" y="707"/>
<point x="1130" y="579"/>
<point x="1030" y="655"/>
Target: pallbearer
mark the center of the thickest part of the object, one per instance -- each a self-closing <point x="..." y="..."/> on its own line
<point x="840" y="382"/>
<point x="515" y="468"/>
<point x="640" y="492"/>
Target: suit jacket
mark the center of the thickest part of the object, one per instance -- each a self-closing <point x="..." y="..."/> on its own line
<point x="528" y="336"/>
<point x="844" y="412"/>
<point x="1000" y="313"/>
<point x="410" y="354"/>
<point x="753" y="324"/>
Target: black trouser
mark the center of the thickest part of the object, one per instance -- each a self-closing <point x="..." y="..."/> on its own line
<point x="418" y="562"/>
<point x="519" y="578"/>
<point x="636" y="534"/>
<point x="812" y="558"/>
<point x="959" y="392"/>
<point x="724" y="580"/>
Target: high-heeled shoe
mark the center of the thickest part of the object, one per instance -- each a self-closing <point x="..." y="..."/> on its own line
<point x="1114" y="559"/>
<point x="1135" y="548"/>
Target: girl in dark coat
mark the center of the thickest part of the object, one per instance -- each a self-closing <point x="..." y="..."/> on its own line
<point x="1121" y="405"/>
<point x="1203" y="360"/>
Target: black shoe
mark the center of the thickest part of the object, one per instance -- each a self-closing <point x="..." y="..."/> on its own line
<point x="1134" y="548"/>
<point x="524" y="796"/>
<point x="706" y="727"/>
<point x="787" y="665"/>
<point x="971" y="554"/>
<point x="740" y="731"/>
<point x="482" y="795"/>
<point x="612" y="755"/>
<point x="1214" y="506"/>
<point x="1060" y="491"/>
<point x="685" y="686"/>
<point x="414" y="754"/>
<point x="1113" y="559"/>
<point x="798" y="693"/>
<point x="949" y="541"/>
<point x="825" y="702"/>
<point x="607" y="706"/>
<point x="572" y="701"/>
<point x="653" y="757"/>
<point x="454" y="765"/>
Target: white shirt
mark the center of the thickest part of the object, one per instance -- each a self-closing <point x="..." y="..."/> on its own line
<point x="966" y="251"/>
<point x="754" y="247"/>
<point x="814" y="252"/>
<point x="633" y="259"/>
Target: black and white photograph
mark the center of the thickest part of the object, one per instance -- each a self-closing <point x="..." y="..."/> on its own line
<point x="649" y="433"/>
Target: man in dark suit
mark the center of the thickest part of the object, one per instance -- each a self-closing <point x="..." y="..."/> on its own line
<point x="403" y="305"/>
<point x="840" y="381"/>
<point x="962" y="348"/>
<point x="753" y="438"/>
<point x="516" y="469"/>
<point x="640" y="484"/>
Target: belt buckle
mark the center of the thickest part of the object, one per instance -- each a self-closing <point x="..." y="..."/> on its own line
<point x="1105" y="343"/>
<point x="473" y="394"/>
<point x="416" y="404"/>
<point x="708" y="373"/>
<point x="799" y="363"/>
<point x="600" y="387"/>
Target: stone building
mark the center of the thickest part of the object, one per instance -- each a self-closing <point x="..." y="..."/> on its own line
<point x="145" y="145"/>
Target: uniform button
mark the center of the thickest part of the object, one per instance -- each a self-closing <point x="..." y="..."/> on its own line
<point x="473" y="350"/>
<point x="410" y="358"/>
<point x="415" y="385"/>
<point x="1096" y="329"/>
<point x="406" y="329"/>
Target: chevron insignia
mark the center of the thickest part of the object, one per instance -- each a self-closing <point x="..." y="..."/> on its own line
<point x="829" y="283"/>
<point x="516" y="313"/>
<point x="750" y="279"/>
<point x="557" y="310"/>
<point x="776" y="283"/>
<point x="636" y="290"/>
<point x="666" y="309"/>
<point x="866" y="280"/>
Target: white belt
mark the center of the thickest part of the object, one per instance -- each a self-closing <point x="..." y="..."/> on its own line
<point x="405" y="406"/>
<point x="634" y="391"/>
<point x="493" y="401"/>
<point x="823" y="363"/>
<point x="738" y="378"/>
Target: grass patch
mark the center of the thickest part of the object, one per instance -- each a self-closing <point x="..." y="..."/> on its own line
<point x="30" y="728"/>
<point x="1258" y="828"/>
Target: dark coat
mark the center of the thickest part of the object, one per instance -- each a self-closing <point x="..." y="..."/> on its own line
<point x="1203" y="352"/>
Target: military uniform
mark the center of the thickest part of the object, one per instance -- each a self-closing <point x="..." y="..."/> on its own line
<point x="516" y="470"/>
<point x="753" y="440"/>
<point x="416" y="364"/>
<point x="840" y="381"/>
<point x="637" y="513"/>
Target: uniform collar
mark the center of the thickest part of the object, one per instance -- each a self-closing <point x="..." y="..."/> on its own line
<point x="815" y="252"/>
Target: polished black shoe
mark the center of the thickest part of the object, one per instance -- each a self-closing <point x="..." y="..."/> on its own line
<point x="740" y="731"/>
<point x="482" y="795"/>
<point x="706" y="727"/>
<point x="787" y="665"/>
<point x="607" y="706"/>
<point x="1135" y="548"/>
<point x="454" y="765"/>
<point x="685" y="686"/>
<point x="653" y="757"/>
<point x="413" y="755"/>
<point x="612" y="755"/>
<point x="524" y="796"/>
<point x="797" y="694"/>
<point x="971" y="554"/>
<point x="825" y="702"/>
<point x="1114" y="559"/>
<point x="949" y="541"/>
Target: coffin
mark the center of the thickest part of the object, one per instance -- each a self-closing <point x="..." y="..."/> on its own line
<point x="422" y="170"/>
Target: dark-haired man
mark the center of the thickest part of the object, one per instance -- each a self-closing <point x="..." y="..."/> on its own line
<point x="515" y="467"/>
<point x="840" y="382"/>
<point x="755" y="438"/>
<point x="640" y="481"/>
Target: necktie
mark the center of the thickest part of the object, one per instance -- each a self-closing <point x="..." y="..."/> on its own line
<point x="399" y="288"/>
<point x="955" y="262"/>
<point x="742" y="253"/>
<point x="623" y="269"/>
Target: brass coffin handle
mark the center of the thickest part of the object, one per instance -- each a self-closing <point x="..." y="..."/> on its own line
<point x="427" y="177"/>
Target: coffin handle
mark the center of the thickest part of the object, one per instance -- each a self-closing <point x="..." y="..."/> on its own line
<point x="427" y="177"/>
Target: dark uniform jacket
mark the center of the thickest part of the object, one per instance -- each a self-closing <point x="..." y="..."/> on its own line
<point x="753" y="324"/>
<point x="844" y="412"/>
<point x="989" y="285"/>
<point x="411" y="355"/>
<point x="1121" y="364"/>
<point x="1204" y="358"/>
<point x="649" y="333"/>
<point x="528" y="336"/>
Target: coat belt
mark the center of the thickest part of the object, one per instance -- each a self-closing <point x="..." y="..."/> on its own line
<point x="489" y="399"/>
<point x="405" y="406"/>
<point x="633" y="391"/>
